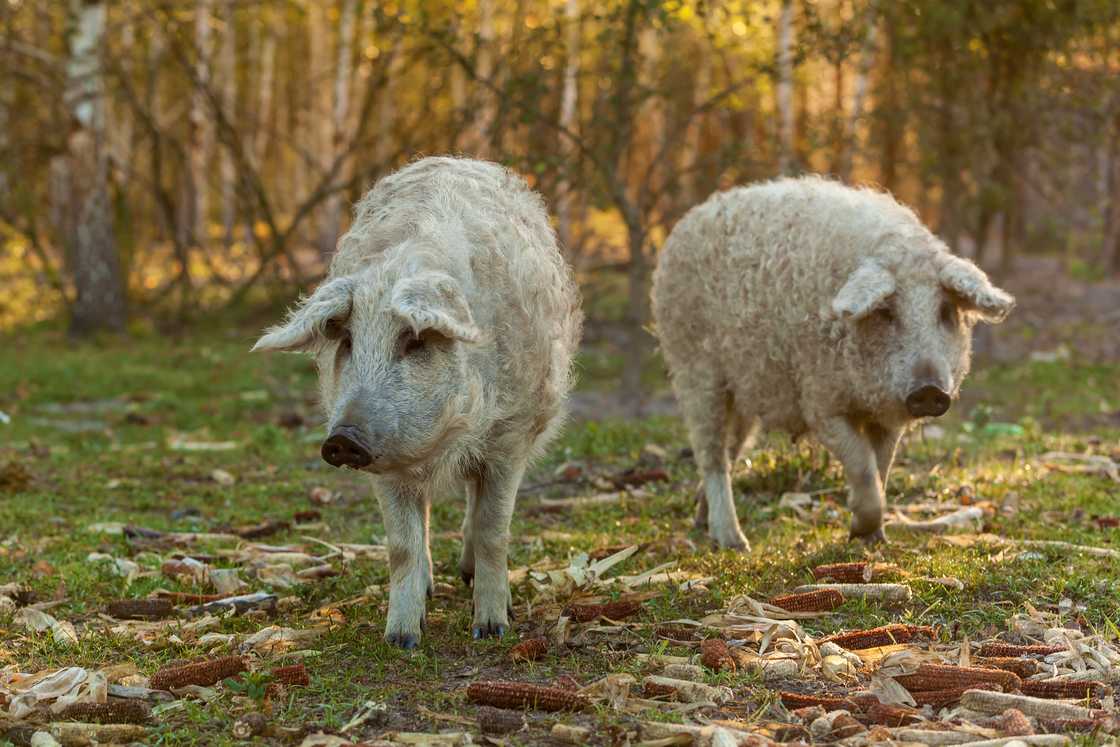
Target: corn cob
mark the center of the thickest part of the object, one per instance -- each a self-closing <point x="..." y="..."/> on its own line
<point x="182" y="597"/>
<point x="1022" y="667"/>
<point x="829" y="702"/>
<point x="1014" y="723"/>
<point x="1057" y="689"/>
<point x="892" y="715"/>
<point x="294" y="675"/>
<point x="946" y="676"/>
<point x="524" y="694"/>
<point x="677" y="632"/>
<point x="998" y="648"/>
<point x="202" y="673"/>
<point x="885" y="635"/>
<point x="530" y="649"/>
<point x="877" y="592"/>
<point x="823" y="600"/>
<point x="656" y="690"/>
<point x="715" y="655"/>
<point x="141" y="609"/>
<point x="996" y="703"/>
<point x="112" y="711"/>
<point x="948" y="696"/>
<point x="1106" y="724"/>
<point x="499" y="720"/>
<point x="567" y="682"/>
<point x="860" y="572"/>
<point x="619" y="610"/>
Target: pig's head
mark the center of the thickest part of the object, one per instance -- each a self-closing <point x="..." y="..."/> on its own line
<point x="392" y="366"/>
<point x="910" y="328"/>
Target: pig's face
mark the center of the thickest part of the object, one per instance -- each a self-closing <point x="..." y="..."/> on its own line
<point x="911" y="329"/>
<point x="392" y="367"/>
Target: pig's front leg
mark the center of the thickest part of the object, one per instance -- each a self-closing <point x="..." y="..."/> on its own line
<point x="855" y="452"/>
<point x="490" y="516"/>
<point x="885" y="442"/>
<point x="405" y="509"/>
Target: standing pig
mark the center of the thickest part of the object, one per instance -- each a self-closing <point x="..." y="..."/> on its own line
<point x="808" y="306"/>
<point x="444" y="337"/>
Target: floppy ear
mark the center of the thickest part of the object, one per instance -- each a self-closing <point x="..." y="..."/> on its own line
<point x="304" y="328"/>
<point x="433" y="300"/>
<point x="971" y="285"/>
<point x="866" y="288"/>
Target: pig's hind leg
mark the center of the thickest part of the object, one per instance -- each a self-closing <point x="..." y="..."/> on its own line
<point x="405" y="510"/>
<point x="490" y="516"/>
<point x="466" y="558"/>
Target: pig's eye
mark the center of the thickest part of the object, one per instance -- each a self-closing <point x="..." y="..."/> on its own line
<point x="948" y="314"/>
<point x="885" y="315"/>
<point x="411" y="343"/>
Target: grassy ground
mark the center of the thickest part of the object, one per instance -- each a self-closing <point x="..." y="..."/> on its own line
<point x="92" y="429"/>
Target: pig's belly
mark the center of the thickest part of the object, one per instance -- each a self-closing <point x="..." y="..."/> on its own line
<point x="773" y="399"/>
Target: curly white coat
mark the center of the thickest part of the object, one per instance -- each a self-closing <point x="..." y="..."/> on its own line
<point x="806" y="305"/>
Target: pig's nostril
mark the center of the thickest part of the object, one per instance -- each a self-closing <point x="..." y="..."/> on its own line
<point x="343" y="449"/>
<point x="928" y="401"/>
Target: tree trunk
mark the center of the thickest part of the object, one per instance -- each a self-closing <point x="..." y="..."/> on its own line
<point x="192" y="225"/>
<point x="569" y="106"/>
<point x="892" y="132"/>
<point x="83" y="176"/>
<point x="850" y="136"/>
<point x="784" y="89"/>
<point x="340" y="120"/>
<point x="227" y="64"/>
<point x="480" y="121"/>
<point x="1110" y="247"/>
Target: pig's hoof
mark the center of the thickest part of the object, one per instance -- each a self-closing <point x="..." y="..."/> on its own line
<point x="467" y="576"/>
<point x="873" y="537"/>
<point x="488" y="630"/>
<point x="733" y="540"/>
<point x="400" y="639"/>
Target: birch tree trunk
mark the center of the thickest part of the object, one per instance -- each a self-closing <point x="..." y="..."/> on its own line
<point x="784" y="89"/>
<point x="477" y="142"/>
<point x="849" y="136"/>
<point x="192" y="224"/>
<point x="340" y="121"/>
<point x="81" y="176"/>
<point x="265" y="84"/>
<point x="569" y="106"/>
<point x="227" y="65"/>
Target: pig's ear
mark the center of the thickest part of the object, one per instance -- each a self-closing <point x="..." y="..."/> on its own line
<point x="864" y="291"/>
<point x="968" y="282"/>
<point x="304" y="329"/>
<point x="433" y="300"/>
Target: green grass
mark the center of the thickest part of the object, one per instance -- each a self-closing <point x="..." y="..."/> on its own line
<point x="118" y="466"/>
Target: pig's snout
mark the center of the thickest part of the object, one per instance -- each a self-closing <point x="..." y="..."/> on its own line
<point x="344" y="448"/>
<point x="928" y="401"/>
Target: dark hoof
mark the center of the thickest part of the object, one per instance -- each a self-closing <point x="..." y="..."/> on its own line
<point x="467" y="576"/>
<point x="874" y="537"/>
<point x="406" y="641"/>
<point x="489" y="630"/>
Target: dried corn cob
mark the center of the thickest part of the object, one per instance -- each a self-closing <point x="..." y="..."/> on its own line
<point x="202" y="673"/>
<point x="823" y="600"/>
<point x="112" y="711"/>
<point x="619" y="610"/>
<point x="1014" y="723"/>
<point x="1022" y="667"/>
<point x="524" y="694"/>
<point x="946" y="676"/>
<point x="656" y="690"/>
<point x="948" y="696"/>
<point x="499" y="720"/>
<point x="294" y="675"/>
<point x="530" y="649"/>
<point x="830" y="702"/>
<point x="715" y="655"/>
<point x="885" y="635"/>
<point x="885" y="593"/>
<point x="860" y="572"/>
<point x="886" y="714"/>
<point x="677" y="632"/>
<point x="1057" y="689"/>
<point x="567" y="682"/>
<point x="141" y="609"/>
<point x="998" y="648"/>
<point x="996" y="703"/>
